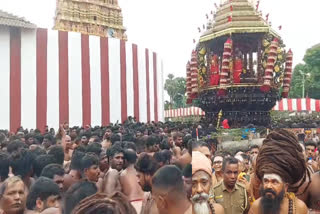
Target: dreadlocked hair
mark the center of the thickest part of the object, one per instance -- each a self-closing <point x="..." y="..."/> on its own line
<point x="281" y="154"/>
<point x="101" y="203"/>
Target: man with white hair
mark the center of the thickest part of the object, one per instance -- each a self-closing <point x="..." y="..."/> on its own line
<point x="201" y="184"/>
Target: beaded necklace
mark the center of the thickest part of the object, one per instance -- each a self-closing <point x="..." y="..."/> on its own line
<point x="211" y="206"/>
<point x="292" y="203"/>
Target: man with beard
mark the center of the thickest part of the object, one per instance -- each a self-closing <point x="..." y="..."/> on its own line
<point x="168" y="191"/>
<point x="275" y="198"/>
<point x="230" y="194"/>
<point x="111" y="180"/>
<point x="12" y="196"/>
<point x="90" y="167"/>
<point x="201" y="184"/>
<point x="146" y="166"/>
<point x="44" y="193"/>
<point x="281" y="168"/>
<point x="56" y="173"/>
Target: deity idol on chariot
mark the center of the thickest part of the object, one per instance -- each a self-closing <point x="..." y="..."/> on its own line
<point x="239" y="67"/>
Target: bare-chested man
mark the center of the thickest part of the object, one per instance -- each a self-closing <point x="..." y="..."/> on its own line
<point x="279" y="166"/>
<point x="313" y="196"/>
<point x="146" y="166"/>
<point x="106" y="143"/>
<point x="75" y="173"/>
<point x="111" y="180"/>
<point x="66" y="144"/>
<point x="12" y="196"/>
<point x="129" y="181"/>
<point x="275" y="198"/>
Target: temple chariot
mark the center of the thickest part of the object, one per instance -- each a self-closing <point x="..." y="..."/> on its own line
<point x="239" y="68"/>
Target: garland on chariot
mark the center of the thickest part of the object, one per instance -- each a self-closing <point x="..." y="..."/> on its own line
<point x="240" y="67"/>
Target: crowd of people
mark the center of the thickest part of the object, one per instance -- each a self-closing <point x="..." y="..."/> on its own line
<point x="154" y="168"/>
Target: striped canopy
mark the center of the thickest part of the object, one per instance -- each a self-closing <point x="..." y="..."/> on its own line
<point x="293" y="105"/>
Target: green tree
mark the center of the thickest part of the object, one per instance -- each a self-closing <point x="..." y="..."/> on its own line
<point x="307" y="74"/>
<point x="176" y="89"/>
<point x="312" y="59"/>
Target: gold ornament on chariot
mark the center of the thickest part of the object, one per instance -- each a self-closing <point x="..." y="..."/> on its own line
<point x="203" y="51"/>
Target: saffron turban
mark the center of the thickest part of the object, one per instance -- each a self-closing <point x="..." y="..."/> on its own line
<point x="200" y="163"/>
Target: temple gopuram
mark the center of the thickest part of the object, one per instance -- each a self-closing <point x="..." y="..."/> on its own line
<point x="239" y="68"/>
<point x="94" y="17"/>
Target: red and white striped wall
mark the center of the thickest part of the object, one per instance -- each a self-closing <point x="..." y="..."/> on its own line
<point x="298" y="105"/>
<point x="50" y="77"/>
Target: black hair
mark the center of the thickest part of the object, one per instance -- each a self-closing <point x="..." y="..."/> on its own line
<point x="39" y="151"/>
<point x="226" y="153"/>
<point x="114" y="138"/>
<point x="128" y="137"/>
<point x="245" y="157"/>
<point x="186" y="140"/>
<point x="80" y="148"/>
<point x="212" y="142"/>
<point x="187" y="171"/>
<point x="130" y="156"/>
<point x="94" y="148"/>
<point x="310" y="143"/>
<point x="176" y="135"/>
<point x="76" y="193"/>
<point x="198" y="144"/>
<point x="172" y="183"/>
<point x="41" y="162"/>
<point x="38" y="138"/>
<point x="43" y="188"/>
<point x="129" y="145"/>
<point x="50" y="138"/>
<point x="115" y="149"/>
<point x="51" y="170"/>
<point x="4" y="165"/>
<point x="27" y="136"/>
<point x="151" y="141"/>
<point x="15" y="145"/>
<point x="164" y="144"/>
<point x="167" y="154"/>
<point x="163" y="156"/>
<point x="58" y="153"/>
<point x="146" y="164"/>
<point x="141" y="143"/>
<point x="229" y="160"/>
<point x="89" y="160"/>
<point x="158" y="157"/>
<point x="254" y="147"/>
<point x="76" y="160"/>
<point x="22" y="162"/>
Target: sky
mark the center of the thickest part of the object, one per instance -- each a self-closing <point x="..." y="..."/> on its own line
<point x="168" y="27"/>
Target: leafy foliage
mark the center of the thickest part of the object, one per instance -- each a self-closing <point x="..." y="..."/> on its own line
<point x="311" y="72"/>
<point x="176" y="89"/>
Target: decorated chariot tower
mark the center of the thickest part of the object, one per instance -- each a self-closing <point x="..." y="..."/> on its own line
<point x="240" y="68"/>
<point x="94" y="17"/>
